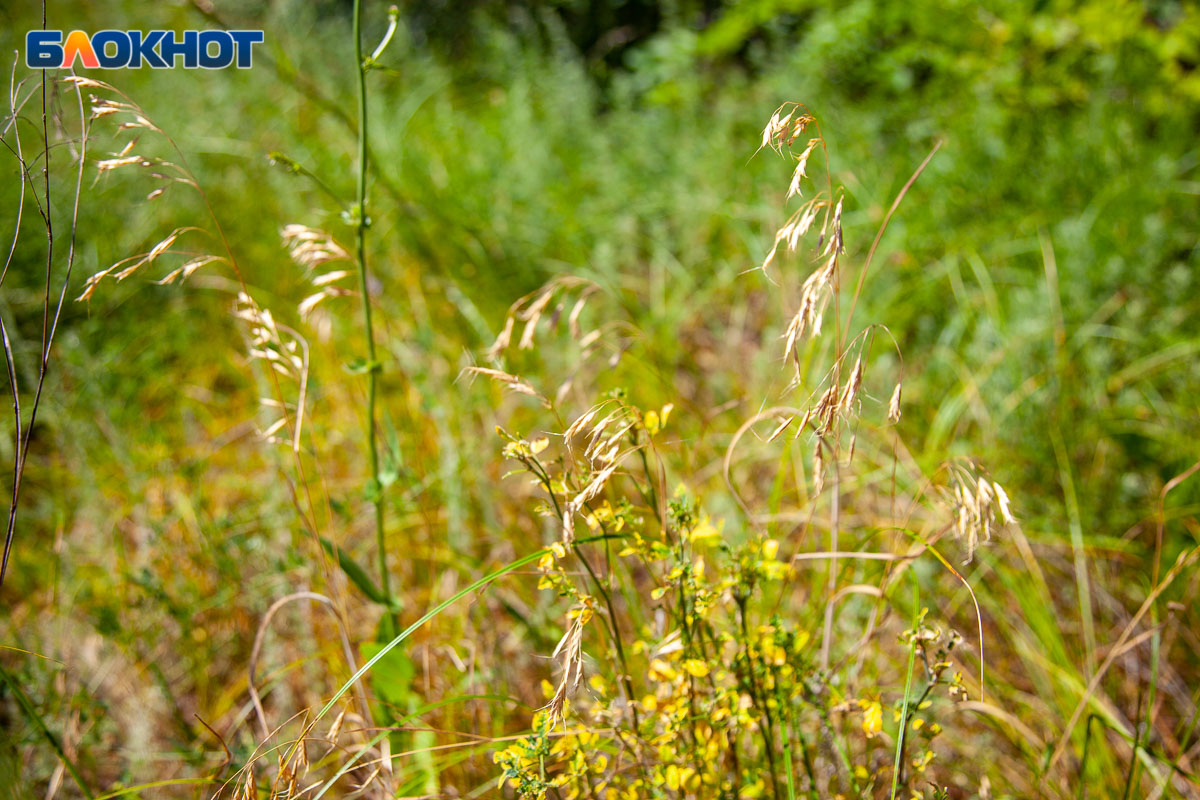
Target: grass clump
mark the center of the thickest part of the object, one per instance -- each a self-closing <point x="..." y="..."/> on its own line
<point x="717" y="672"/>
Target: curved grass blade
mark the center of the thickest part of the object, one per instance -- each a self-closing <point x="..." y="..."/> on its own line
<point x="439" y="608"/>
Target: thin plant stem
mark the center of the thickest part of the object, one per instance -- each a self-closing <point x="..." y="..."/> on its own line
<point x="787" y="761"/>
<point x="49" y="324"/>
<point x="1131" y="776"/>
<point x="767" y="730"/>
<point x="912" y="660"/>
<point x="360" y="237"/>
<point x="835" y="524"/>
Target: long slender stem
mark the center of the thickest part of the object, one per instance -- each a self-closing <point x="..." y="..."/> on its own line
<point x="912" y="659"/>
<point x="834" y="527"/>
<point x="360" y="237"/>
<point x="767" y="730"/>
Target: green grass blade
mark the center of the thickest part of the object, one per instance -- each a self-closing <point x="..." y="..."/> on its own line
<point x="36" y="719"/>
<point x="439" y="608"/>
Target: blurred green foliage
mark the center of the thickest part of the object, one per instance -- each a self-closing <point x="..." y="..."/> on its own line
<point x="1069" y="130"/>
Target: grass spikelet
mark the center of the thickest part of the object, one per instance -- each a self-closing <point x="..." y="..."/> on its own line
<point x="894" y="404"/>
<point x="159" y="249"/>
<point x="594" y="486"/>
<point x="853" y="385"/>
<point x="975" y="503"/>
<point x="800" y="173"/>
<point x="184" y="272"/>
<point x="532" y="315"/>
<point x="502" y="341"/>
<point x="311" y="248"/>
<point x="509" y="381"/>
<point x="780" y="428"/>
<point x="569" y="653"/>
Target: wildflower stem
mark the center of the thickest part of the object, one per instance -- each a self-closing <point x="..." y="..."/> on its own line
<point x="626" y="678"/>
<point x="360" y="236"/>
<point x="908" y="717"/>
<point x="912" y="660"/>
<point x="787" y="761"/>
<point x="756" y="693"/>
<point x="649" y="481"/>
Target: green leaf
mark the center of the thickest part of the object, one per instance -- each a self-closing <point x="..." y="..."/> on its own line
<point x="391" y="679"/>
<point x="433" y="612"/>
<point x="356" y="574"/>
<point x="393" y="459"/>
<point x="388" y="476"/>
<point x="360" y="366"/>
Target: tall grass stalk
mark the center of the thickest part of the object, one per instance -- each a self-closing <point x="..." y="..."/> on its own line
<point x="361" y="221"/>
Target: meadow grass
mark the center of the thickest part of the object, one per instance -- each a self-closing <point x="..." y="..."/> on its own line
<point x="737" y="558"/>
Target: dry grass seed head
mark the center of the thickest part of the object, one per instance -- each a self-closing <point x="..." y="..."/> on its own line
<point x="570" y="654"/>
<point x="582" y="422"/>
<point x="162" y="247"/>
<point x="976" y="504"/>
<point x="508" y="381"/>
<point x="184" y="272"/>
<point x="310" y="248"/>
<point x="286" y="352"/>
<point x="818" y="466"/>
<point x="826" y="410"/>
<point x="800" y="172"/>
<point x="531" y="316"/>
<point x="594" y="487"/>
<point x="783" y="129"/>
<point x="894" y="404"/>
<point x="247" y="789"/>
<point x="502" y="341"/>
<point x="853" y="385"/>
<point x="531" y="309"/>
<point x="783" y="425"/>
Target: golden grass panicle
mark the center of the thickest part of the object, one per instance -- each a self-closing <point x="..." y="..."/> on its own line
<point x="129" y="266"/>
<point x="977" y="504"/>
<point x="569" y="653"/>
<point x="785" y="126"/>
<point x="312" y="249"/>
<point x="509" y="381"/>
<point x="285" y="351"/>
<point x="800" y="172"/>
<point x="531" y="310"/>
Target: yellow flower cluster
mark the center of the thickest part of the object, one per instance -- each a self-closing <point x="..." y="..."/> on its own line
<point x="713" y="691"/>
